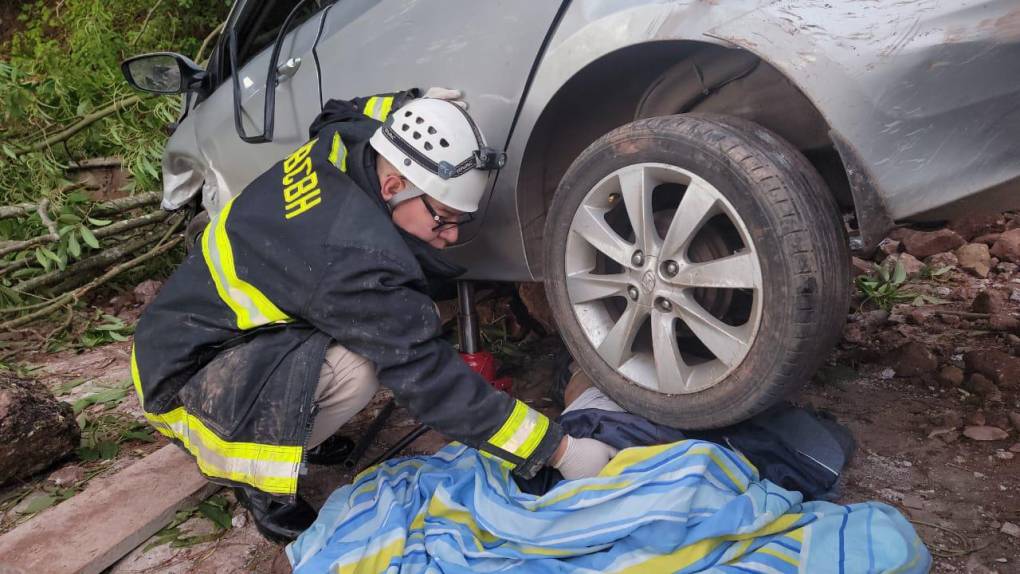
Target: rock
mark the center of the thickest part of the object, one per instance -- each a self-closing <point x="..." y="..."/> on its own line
<point x="36" y="429"/>
<point x="1008" y="246"/>
<point x="860" y="267"/>
<point x="922" y="244"/>
<point x="974" y="566"/>
<point x="910" y="263"/>
<point x="1007" y="268"/>
<point x="120" y="302"/>
<point x="942" y="291"/>
<point x="146" y="291"/>
<point x="980" y="385"/>
<point x="1015" y="448"/>
<point x="988" y="239"/>
<point x="913" y="360"/>
<point x="950" y="376"/>
<point x="951" y="320"/>
<point x="68" y="475"/>
<point x="1014" y="419"/>
<point x="870" y="319"/>
<point x="990" y="301"/>
<point x="948" y="419"/>
<point x="985" y="433"/>
<point x="919" y="317"/>
<point x="1003" y="322"/>
<point x="940" y="260"/>
<point x="964" y="292"/>
<point x="1014" y="296"/>
<point x="887" y="374"/>
<point x="1001" y="368"/>
<point x="949" y="437"/>
<point x="976" y="419"/>
<point x="1010" y="529"/>
<point x="973" y="224"/>
<point x="888" y="246"/>
<point x="1004" y="455"/>
<point x="1000" y="420"/>
<point x="974" y="258"/>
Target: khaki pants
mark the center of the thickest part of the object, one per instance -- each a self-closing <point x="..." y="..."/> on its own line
<point x="347" y="382"/>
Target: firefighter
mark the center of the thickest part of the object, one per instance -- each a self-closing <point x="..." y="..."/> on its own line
<point x="310" y="289"/>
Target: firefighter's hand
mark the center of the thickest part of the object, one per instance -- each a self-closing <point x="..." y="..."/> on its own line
<point x="453" y="96"/>
<point x="583" y="457"/>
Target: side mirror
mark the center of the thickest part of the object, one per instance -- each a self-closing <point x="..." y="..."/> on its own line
<point x="162" y="73"/>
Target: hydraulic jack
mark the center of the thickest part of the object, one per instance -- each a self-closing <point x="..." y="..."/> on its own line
<point x="471" y="351"/>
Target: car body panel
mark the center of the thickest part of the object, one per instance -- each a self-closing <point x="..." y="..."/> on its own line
<point x="923" y="94"/>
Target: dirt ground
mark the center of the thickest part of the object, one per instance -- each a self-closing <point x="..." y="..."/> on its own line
<point x="930" y="389"/>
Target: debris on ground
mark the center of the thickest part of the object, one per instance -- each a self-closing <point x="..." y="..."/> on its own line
<point x="36" y="430"/>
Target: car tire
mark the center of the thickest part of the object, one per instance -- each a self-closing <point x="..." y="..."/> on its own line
<point x="719" y="312"/>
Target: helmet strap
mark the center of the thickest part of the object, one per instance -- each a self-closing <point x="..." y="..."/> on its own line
<point x="410" y="193"/>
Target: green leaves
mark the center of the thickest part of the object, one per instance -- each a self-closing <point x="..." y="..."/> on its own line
<point x="216" y="509"/>
<point x="45" y="499"/>
<point x="885" y="287"/>
<point x="109" y="330"/>
<point x="88" y="237"/>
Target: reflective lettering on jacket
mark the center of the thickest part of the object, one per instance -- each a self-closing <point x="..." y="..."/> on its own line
<point x="252" y="308"/>
<point x="520" y="434"/>
<point x="300" y="182"/>
<point x="378" y="107"/>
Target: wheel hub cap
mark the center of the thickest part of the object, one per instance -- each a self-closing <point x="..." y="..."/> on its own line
<point x="672" y="307"/>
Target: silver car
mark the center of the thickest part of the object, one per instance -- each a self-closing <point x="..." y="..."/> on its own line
<point x="687" y="178"/>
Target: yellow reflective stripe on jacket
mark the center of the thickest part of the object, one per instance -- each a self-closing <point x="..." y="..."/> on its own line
<point x="269" y="468"/>
<point x="136" y="379"/>
<point x="338" y="153"/>
<point x="378" y="108"/>
<point x="253" y="309"/>
<point x="522" y="431"/>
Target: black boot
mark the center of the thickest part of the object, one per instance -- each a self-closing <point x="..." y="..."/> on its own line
<point x="278" y="522"/>
<point x="333" y="450"/>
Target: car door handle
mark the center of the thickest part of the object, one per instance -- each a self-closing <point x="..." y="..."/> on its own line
<point x="288" y="69"/>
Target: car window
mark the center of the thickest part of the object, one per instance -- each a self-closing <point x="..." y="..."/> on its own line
<point x="257" y="27"/>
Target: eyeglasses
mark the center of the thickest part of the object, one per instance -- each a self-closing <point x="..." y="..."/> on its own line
<point x="441" y="223"/>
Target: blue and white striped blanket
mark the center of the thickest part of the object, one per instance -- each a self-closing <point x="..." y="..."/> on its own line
<point x="690" y="506"/>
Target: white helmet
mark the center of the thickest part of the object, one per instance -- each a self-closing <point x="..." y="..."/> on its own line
<point x="439" y="149"/>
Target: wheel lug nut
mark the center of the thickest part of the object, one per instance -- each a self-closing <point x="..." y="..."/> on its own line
<point x="638" y="258"/>
<point x="613" y="198"/>
<point x="663" y="304"/>
<point x="633" y="292"/>
<point x="670" y="268"/>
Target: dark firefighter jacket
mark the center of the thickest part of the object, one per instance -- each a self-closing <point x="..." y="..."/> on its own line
<point x="227" y="357"/>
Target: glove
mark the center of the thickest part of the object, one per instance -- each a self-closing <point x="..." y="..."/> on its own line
<point x="584" y="457"/>
<point x="452" y="96"/>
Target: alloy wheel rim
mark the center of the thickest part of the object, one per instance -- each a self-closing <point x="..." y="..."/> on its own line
<point x="636" y="291"/>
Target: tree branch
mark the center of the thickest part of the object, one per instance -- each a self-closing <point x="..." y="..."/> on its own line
<point x="78" y="293"/>
<point x="85" y="122"/>
<point x="115" y="206"/>
<point x="17" y="210"/>
<point x="102" y="259"/>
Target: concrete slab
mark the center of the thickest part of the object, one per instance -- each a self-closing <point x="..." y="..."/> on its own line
<point x="95" y="528"/>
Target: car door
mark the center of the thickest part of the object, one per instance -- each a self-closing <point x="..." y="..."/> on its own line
<point x="486" y="49"/>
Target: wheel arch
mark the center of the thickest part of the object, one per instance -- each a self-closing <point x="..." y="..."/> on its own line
<point x="662" y="77"/>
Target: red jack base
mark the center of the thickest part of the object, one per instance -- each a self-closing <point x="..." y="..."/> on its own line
<point x="485" y="365"/>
